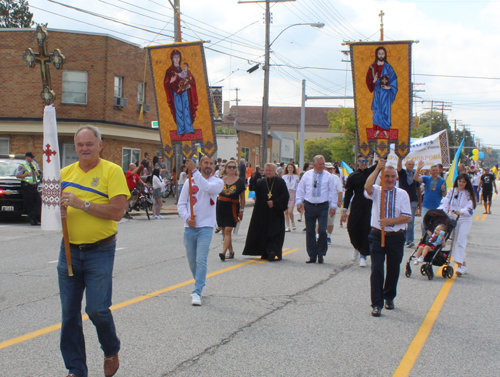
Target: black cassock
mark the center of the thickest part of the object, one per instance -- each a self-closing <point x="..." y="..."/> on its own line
<point x="267" y="227"/>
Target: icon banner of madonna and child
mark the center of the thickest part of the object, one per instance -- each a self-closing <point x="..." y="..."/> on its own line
<point x="184" y="103"/>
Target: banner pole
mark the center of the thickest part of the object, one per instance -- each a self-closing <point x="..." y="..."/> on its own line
<point x="67" y="247"/>
<point x="190" y="195"/>
<point x="382" y="207"/>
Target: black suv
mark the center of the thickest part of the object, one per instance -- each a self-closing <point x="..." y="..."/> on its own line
<point x="11" y="195"/>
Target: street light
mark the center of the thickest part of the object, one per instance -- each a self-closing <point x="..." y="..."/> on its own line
<point x="265" y="99"/>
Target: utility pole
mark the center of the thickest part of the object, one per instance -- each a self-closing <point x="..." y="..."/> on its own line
<point x="236" y="120"/>
<point x="432" y="108"/>
<point x="265" y="98"/>
<point x="441" y="105"/>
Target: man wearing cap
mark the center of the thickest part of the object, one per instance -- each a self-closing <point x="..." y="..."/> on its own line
<point x="29" y="174"/>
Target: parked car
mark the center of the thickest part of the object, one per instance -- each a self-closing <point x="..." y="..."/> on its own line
<point x="11" y="195"/>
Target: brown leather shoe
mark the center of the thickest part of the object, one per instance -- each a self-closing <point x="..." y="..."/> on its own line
<point x="111" y="365"/>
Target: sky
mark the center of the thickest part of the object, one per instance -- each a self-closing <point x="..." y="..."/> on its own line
<point x="455" y="38"/>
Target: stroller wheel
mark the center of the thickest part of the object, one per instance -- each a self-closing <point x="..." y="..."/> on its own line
<point x="430" y="273"/>
<point x="408" y="270"/>
<point x="422" y="270"/>
<point x="450" y="272"/>
<point x="445" y="272"/>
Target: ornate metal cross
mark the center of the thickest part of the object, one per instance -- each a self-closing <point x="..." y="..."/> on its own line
<point x="47" y="152"/>
<point x="44" y="58"/>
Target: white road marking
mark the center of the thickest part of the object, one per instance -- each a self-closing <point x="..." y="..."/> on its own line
<point x="54" y="261"/>
<point x="120" y="248"/>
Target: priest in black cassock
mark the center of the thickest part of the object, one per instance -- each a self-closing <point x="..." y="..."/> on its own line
<point x="266" y="233"/>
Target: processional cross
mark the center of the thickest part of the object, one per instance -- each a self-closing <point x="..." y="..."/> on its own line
<point x="44" y="58"/>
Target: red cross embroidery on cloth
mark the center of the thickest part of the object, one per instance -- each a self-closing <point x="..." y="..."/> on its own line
<point x="49" y="153"/>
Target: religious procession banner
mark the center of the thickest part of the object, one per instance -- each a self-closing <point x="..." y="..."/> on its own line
<point x="183" y="100"/>
<point x="51" y="190"/>
<point x="432" y="150"/>
<point x="381" y="74"/>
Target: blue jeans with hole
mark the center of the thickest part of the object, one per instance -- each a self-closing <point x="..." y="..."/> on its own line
<point x="197" y="243"/>
<point x="93" y="273"/>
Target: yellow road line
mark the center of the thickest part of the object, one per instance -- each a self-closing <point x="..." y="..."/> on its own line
<point x="477" y="218"/>
<point x="135" y="300"/>
<point x="483" y="217"/>
<point x="409" y="359"/>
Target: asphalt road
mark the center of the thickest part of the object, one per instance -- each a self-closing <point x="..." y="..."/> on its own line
<point x="284" y="318"/>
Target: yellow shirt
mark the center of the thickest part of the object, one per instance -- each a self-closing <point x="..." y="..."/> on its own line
<point x="98" y="185"/>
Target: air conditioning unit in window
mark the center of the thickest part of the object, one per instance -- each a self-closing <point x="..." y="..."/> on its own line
<point x="120" y="102"/>
<point x="146" y="109"/>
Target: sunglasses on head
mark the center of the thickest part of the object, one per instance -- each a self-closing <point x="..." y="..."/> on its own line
<point x="231" y="167"/>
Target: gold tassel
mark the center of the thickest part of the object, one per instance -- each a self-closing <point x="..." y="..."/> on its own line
<point x="141" y="114"/>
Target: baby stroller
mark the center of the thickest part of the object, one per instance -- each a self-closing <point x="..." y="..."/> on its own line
<point x="438" y="256"/>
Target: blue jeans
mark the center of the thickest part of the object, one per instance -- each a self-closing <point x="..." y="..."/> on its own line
<point x="93" y="272"/>
<point x="410" y="227"/>
<point x="313" y="213"/>
<point x="197" y="242"/>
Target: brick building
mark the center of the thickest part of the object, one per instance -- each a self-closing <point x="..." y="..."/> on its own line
<point x="100" y="84"/>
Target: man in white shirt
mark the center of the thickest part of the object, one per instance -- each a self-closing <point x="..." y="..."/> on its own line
<point x="397" y="211"/>
<point x="317" y="195"/>
<point x="338" y="187"/>
<point x="199" y="226"/>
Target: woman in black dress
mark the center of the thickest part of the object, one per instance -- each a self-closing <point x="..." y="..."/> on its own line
<point x="230" y="205"/>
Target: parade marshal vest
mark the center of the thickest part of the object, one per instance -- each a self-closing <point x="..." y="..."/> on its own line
<point x="29" y="179"/>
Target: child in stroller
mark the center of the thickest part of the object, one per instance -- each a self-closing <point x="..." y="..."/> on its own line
<point x="437" y="256"/>
<point x="434" y="240"/>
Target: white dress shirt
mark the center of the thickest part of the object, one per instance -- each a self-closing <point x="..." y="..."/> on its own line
<point x="397" y="203"/>
<point x="324" y="191"/>
<point x="205" y="193"/>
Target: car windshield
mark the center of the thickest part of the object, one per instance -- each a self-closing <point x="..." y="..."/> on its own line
<point x="9" y="167"/>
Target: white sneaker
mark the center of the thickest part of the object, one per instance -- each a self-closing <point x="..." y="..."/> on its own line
<point x="409" y="245"/>
<point x="155" y="217"/>
<point x="355" y="255"/>
<point x="464" y="270"/>
<point x="458" y="271"/>
<point x="160" y="216"/>
<point x="362" y="262"/>
<point x="195" y="299"/>
<point x="293" y="226"/>
<point x="420" y="259"/>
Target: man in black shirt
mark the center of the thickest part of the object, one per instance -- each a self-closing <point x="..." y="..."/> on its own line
<point x="412" y="187"/>
<point x="358" y="226"/>
<point x="487" y="183"/>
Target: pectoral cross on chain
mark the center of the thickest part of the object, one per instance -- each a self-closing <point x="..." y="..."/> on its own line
<point x="44" y="58"/>
<point x="269" y="196"/>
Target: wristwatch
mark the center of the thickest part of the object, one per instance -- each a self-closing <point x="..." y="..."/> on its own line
<point x="87" y="205"/>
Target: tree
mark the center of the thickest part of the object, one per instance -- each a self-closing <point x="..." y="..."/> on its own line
<point x="15" y="14"/>
<point x="314" y="147"/>
<point x="342" y="121"/>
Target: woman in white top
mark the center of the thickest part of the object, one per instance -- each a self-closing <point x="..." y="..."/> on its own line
<point x="158" y="185"/>
<point x="460" y="201"/>
<point x="291" y="179"/>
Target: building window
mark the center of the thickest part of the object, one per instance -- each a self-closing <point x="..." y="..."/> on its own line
<point x="4" y="145"/>
<point x="74" y="88"/>
<point x="141" y="92"/>
<point x="130" y="155"/>
<point x="118" y="86"/>
<point x="245" y="153"/>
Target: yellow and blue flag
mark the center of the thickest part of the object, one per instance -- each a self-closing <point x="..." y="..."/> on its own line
<point x="346" y="169"/>
<point x="453" y="172"/>
<point x="494" y="170"/>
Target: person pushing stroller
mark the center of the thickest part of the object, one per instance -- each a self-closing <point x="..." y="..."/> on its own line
<point x="434" y="240"/>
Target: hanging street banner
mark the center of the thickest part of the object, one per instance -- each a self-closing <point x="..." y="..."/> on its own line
<point x="381" y="75"/>
<point x="183" y="100"/>
<point x="432" y="150"/>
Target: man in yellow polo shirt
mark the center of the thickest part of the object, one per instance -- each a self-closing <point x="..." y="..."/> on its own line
<point x="92" y="201"/>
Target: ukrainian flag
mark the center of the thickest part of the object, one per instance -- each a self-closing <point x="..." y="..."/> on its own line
<point x="453" y="172"/>
<point x="494" y="170"/>
<point x="346" y="169"/>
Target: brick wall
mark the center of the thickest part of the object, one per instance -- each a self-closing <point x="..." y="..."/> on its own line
<point x="252" y="140"/>
<point x="101" y="56"/>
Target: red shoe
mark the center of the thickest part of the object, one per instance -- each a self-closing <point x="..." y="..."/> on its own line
<point x="111" y="365"/>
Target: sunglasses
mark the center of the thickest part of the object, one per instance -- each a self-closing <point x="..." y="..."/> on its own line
<point x="362" y="161"/>
<point x="231" y="167"/>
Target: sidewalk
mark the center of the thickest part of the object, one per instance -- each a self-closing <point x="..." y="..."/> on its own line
<point x="170" y="208"/>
